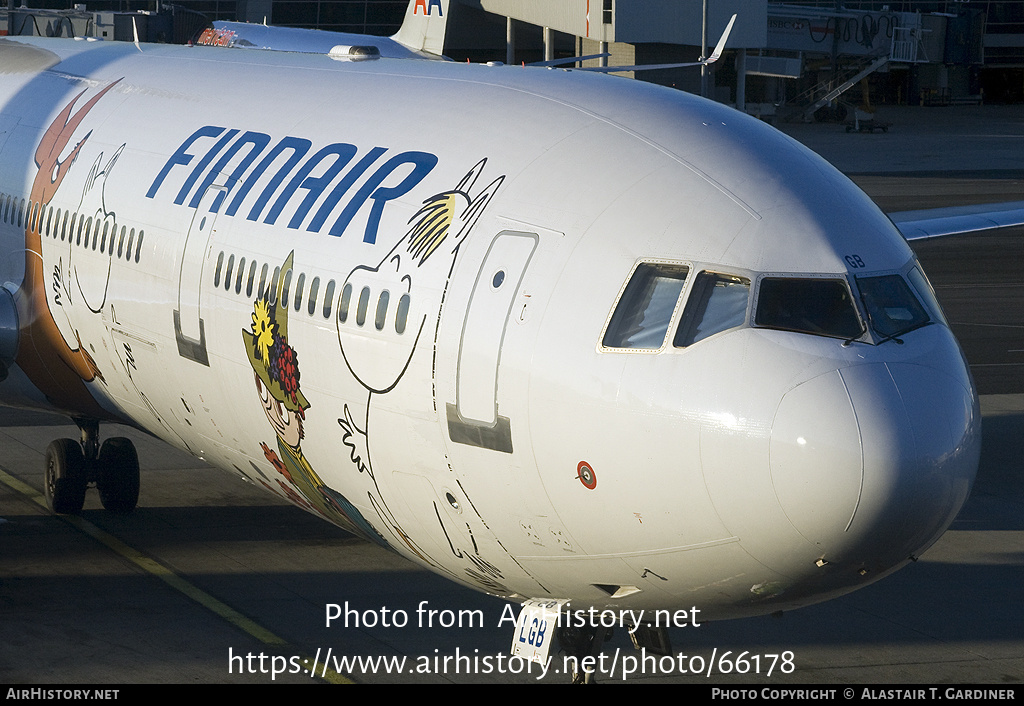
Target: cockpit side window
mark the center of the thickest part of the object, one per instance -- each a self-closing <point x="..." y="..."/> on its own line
<point x="891" y="306"/>
<point x="925" y="291"/>
<point x="718" y="302"/>
<point x="819" y="306"/>
<point x="645" y="308"/>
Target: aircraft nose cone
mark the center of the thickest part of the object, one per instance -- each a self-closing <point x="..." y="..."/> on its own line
<point x="816" y="457"/>
<point x="873" y="462"/>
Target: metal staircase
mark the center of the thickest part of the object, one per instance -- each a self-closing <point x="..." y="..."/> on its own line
<point x="844" y="86"/>
<point x="904" y="48"/>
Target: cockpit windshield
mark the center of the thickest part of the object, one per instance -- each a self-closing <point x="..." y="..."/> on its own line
<point x="819" y="306"/>
<point x="700" y="303"/>
<point x="891" y="306"/>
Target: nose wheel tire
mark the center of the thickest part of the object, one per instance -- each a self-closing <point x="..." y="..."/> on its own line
<point x="118" y="475"/>
<point x="66" y="478"/>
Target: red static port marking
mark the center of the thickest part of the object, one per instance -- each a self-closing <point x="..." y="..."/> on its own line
<point x="586" y="475"/>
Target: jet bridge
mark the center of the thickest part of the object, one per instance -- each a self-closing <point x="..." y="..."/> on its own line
<point x="856" y="43"/>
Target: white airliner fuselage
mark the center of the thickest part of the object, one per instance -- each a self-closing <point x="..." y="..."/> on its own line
<point x="547" y="333"/>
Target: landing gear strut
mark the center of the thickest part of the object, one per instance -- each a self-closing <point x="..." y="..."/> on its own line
<point x="72" y="465"/>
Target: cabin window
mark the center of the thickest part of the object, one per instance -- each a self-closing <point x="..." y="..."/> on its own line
<point x="645" y="307"/>
<point x="402" y="315"/>
<point x="128" y="249"/>
<point x="328" y="299"/>
<point x="120" y="242"/>
<point x="286" y="288"/>
<point x="364" y="302"/>
<point x="299" y="286"/>
<point x="263" y="280"/>
<point x="822" y="307"/>
<point x="382" y="310"/>
<point x="346" y="299"/>
<point x="138" y="246"/>
<point x="240" y="276"/>
<point x="314" y="289"/>
<point x="274" y="283"/>
<point x="252" y="278"/>
<point x="216" y="272"/>
<point x="718" y="303"/>
<point x="891" y="306"/>
<point x="227" y="274"/>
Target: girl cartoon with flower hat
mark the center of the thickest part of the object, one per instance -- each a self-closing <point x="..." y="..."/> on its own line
<point x="276" y="367"/>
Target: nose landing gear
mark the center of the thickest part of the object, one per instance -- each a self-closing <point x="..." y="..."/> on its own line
<point x="583" y="643"/>
<point x="71" y="466"/>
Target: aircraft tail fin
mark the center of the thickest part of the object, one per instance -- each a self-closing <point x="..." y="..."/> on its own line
<point x="424" y="26"/>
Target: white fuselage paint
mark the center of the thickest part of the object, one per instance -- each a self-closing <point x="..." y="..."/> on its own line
<point x="754" y="471"/>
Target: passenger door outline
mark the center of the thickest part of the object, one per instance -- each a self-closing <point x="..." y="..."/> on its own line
<point x="189" y="329"/>
<point x="474" y="418"/>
